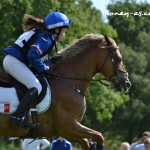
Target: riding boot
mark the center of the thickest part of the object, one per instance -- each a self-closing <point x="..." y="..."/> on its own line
<point x="20" y="117"/>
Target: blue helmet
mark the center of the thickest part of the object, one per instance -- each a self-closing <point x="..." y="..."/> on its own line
<point x="56" y="19"/>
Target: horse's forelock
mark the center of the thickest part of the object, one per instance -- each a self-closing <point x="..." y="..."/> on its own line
<point x="79" y="45"/>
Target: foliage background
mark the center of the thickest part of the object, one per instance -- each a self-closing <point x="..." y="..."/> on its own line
<point x="119" y="116"/>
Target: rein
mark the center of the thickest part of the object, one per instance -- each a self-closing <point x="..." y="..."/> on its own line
<point x="81" y="79"/>
<point x="61" y="78"/>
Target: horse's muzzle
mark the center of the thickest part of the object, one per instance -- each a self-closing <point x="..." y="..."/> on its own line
<point x="124" y="85"/>
<point x="120" y="83"/>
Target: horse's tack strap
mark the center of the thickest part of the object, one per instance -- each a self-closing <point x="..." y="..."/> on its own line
<point x="35" y="120"/>
<point x="71" y="86"/>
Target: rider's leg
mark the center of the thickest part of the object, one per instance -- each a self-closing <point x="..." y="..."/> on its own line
<point x="20" y="115"/>
<point x="26" y="77"/>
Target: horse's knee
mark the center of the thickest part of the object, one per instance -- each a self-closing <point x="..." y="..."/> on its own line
<point x="100" y="140"/>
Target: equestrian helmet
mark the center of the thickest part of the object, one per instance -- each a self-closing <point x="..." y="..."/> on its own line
<point x="56" y="19"/>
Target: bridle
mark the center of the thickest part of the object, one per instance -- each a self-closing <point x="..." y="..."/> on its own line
<point x="116" y="60"/>
<point x="115" y="78"/>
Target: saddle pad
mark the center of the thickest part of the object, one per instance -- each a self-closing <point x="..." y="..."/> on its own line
<point x="9" y="101"/>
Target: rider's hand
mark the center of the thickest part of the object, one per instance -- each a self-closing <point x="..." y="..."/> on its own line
<point x="48" y="71"/>
<point x="52" y="60"/>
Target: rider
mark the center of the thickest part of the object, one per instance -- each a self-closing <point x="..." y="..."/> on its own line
<point x="25" y="53"/>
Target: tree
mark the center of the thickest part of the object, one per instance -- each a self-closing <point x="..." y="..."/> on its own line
<point x="133" y="31"/>
<point x="143" y="45"/>
<point x="128" y="26"/>
<point x="102" y="102"/>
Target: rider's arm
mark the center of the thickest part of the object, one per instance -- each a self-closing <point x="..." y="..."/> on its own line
<point x="39" y="48"/>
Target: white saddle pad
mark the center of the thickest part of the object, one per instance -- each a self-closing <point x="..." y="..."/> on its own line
<point x="9" y="100"/>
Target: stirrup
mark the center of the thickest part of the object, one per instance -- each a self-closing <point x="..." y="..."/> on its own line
<point x="26" y="124"/>
<point x="20" y="120"/>
<point x="15" y="119"/>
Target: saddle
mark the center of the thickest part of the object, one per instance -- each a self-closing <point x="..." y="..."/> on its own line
<point x="8" y="81"/>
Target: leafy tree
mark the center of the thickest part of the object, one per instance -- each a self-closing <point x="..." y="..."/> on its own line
<point x="143" y="46"/>
<point x="101" y="104"/>
<point x="128" y="26"/>
<point x="135" y="61"/>
<point x="133" y="31"/>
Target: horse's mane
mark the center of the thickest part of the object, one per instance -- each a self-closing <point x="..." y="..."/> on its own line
<point x="78" y="46"/>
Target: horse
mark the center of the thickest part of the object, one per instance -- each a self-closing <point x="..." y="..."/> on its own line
<point x="79" y="62"/>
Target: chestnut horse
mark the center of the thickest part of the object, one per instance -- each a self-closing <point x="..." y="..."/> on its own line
<point x="81" y="60"/>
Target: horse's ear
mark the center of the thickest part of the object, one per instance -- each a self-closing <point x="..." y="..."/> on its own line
<point x="107" y="40"/>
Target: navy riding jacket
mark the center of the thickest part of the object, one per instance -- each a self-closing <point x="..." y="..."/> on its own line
<point x="41" y="47"/>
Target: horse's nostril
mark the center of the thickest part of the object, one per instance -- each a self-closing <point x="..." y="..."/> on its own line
<point x="128" y="84"/>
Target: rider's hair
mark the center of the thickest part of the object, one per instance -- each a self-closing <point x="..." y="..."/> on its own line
<point x="31" y="22"/>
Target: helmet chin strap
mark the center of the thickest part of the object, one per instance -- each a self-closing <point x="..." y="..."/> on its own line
<point x="56" y="48"/>
<point x="57" y="31"/>
<point x="57" y="35"/>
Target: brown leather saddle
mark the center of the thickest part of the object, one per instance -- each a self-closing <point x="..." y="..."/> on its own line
<point x="8" y="81"/>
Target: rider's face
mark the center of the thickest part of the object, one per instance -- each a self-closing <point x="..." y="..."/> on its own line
<point x="62" y="34"/>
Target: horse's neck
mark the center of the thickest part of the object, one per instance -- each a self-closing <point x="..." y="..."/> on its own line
<point x="81" y="66"/>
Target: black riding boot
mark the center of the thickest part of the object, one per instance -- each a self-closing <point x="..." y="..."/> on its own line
<point x="19" y="118"/>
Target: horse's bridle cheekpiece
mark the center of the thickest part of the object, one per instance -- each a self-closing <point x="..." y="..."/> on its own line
<point x="116" y="77"/>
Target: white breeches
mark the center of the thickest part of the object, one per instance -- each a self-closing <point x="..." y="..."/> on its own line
<point x="21" y="72"/>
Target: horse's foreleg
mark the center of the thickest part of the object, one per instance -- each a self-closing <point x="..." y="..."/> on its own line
<point x="89" y="133"/>
<point x="79" y="132"/>
<point x="84" y="142"/>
